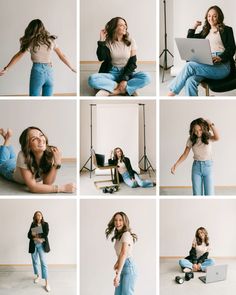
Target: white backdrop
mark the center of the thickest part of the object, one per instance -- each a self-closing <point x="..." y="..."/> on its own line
<point x="57" y="118"/>
<point x="140" y="16"/>
<point x="98" y="254"/>
<point x="117" y="126"/>
<point x="179" y="220"/>
<point x="192" y="11"/>
<point x="59" y="18"/>
<point x="175" y="119"/>
<point x="16" y="218"/>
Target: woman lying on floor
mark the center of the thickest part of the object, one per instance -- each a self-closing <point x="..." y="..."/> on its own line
<point x="126" y="172"/>
<point x="36" y="165"/>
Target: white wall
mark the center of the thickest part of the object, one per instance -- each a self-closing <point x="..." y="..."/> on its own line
<point x="140" y="16"/>
<point x="192" y="11"/>
<point x="175" y="119"/>
<point x="150" y="107"/>
<point x="57" y="118"/>
<point x="98" y="254"/>
<point x="179" y="220"/>
<point x="59" y="18"/>
<point x="16" y="218"/>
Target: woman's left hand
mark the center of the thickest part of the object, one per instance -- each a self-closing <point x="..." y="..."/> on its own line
<point x="122" y="86"/>
<point x="116" y="281"/>
<point x="56" y="155"/>
<point x="216" y="59"/>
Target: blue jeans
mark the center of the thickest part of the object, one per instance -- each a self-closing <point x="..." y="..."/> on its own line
<point x="193" y="73"/>
<point x="139" y="181"/>
<point x="41" y="80"/>
<point x="127" y="278"/>
<point x="7" y="161"/>
<point x="39" y="254"/>
<point x="202" y="178"/>
<point x="186" y="263"/>
<point x="108" y="81"/>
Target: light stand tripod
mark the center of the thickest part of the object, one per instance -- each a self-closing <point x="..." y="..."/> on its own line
<point x="165" y="51"/>
<point x="146" y="163"/>
<point x="91" y="143"/>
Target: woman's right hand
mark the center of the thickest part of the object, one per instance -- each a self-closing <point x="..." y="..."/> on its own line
<point x="67" y="188"/>
<point x="173" y="168"/>
<point x="197" y="24"/>
<point x="103" y="35"/>
<point x="3" y="71"/>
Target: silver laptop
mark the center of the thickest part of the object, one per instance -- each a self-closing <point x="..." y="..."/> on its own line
<point x="192" y="49"/>
<point x="214" y="273"/>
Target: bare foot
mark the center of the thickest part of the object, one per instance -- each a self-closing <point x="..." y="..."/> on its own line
<point x="170" y="93"/>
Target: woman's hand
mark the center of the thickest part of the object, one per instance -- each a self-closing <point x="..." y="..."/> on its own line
<point x="122" y="86"/>
<point x="173" y="168"/>
<point x="199" y="266"/>
<point x="195" y="267"/>
<point x="56" y="155"/>
<point x="197" y="24"/>
<point x="103" y="35"/>
<point x="116" y="266"/>
<point x="216" y="59"/>
<point x="67" y="188"/>
<point x="3" y="71"/>
<point x="116" y="280"/>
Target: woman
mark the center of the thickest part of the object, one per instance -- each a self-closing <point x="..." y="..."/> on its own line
<point x="38" y="246"/>
<point x="40" y="44"/>
<point x="126" y="172"/>
<point x="125" y="270"/>
<point x="222" y="46"/>
<point x="37" y="162"/>
<point x="118" y="52"/>
<point x="198" y="255"/>
<point x="202" y="134"/>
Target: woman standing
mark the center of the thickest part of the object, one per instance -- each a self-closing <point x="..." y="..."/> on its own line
<point x="125" y="270"/>
<point x="198" y="255"/>
<point x="222" y="46"/>
<point x="117" y="51"/>
<point x="126" y="172"/>
<point x="38" y="41"/>
<point x="36" y="165"/>
<point x="38" y="246"/>
<point x="202" y="134"/>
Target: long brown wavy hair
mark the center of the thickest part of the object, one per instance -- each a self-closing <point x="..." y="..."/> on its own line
<point x="111" y="27"/>
<point x="115" y="154"/>
<point x="118" y="234"/>
<point x="205" y="131"/>
<point x="46" y="161"/>
<point x="35" y="35"/>
<point x="220" y="21"/>
<point x="34" y="217"/>
<point x="198" y="238"/>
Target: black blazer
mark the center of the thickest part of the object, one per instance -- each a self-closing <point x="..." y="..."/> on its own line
<point x="227" y="37"/>
<point x="103" y="54"/>
<point x="193" y="256"/>
<point x="128" y="167"/>
<point x="44" y="235"/>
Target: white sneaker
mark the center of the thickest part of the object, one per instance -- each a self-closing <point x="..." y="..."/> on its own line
<point x="36" y="280"/>
<point x="47" y="288"/>
<point x="186" y="269"/>
<point x="102" y="92"/>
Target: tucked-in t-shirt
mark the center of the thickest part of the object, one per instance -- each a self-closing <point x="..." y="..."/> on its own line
<point x="216" y="43"/>
<point x="201" y="249"/>
<point x="201" y="151"/>
<point x="120" y="52"/>
<point x="42" y="54"/>
<point x="122" y="168"/>
<point x="20" y="163"/>
<point x="125" y="238"/>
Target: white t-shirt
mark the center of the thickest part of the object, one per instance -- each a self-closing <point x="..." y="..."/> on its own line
<point x="42" y="54"/>
<point x="216" y="43"/>
<point x="201" y="249"/>
<point x="122" y="168"/>
<point x="125" y="238"/>
<point x="120" y="52"/>
<point x="201" y="151"/>
<point x="20" y="163"/>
